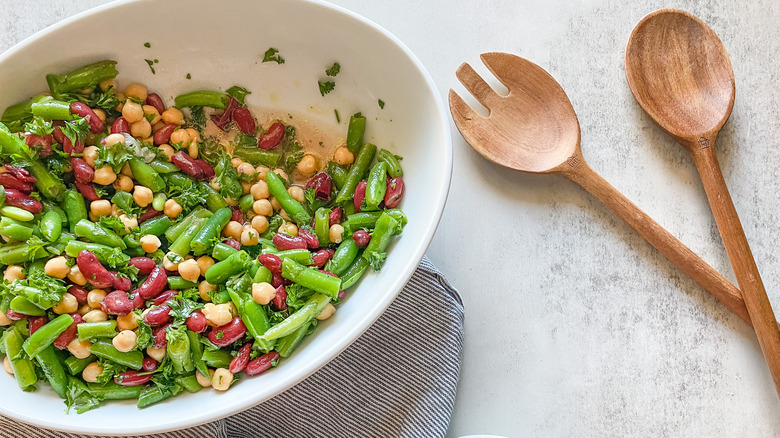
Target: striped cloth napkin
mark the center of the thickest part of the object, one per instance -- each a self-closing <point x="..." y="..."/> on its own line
<point x="378" y="387"/>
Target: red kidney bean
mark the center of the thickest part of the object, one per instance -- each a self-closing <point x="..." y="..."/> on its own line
<point x="322" y="184"/>
<point x="156" y="101"/>
<point x="342" y="293"/>
<point x="69" y="334"/>
<point x="132" y="378"/>
<point x="237" y="215"/>
<point x="93" y="271"/>
<point x="244" y="121"/>
<point x="120" y="126"/>
<point x="224" y="119"/>
<point x="79" y="292"/>
<point x="148" y="214"/>
<point x="121" y="283"/>
<point x="206" y="168"/>
<point x="261" y="364"/>
<point x="154" y="284"/>
<point x="361" y="238"/>
<point x="37" y="322"/>
<point x="164" y="297"/>
<point x="233" y="243"/>
<point x="320" y="257"/>
<point x="20" y="173"/>
<point x="81" y="170"/>
<point x="285" y="242"/>
<point x="158" y="315"/>
<point x="196" y="322"/>
<point x="280" y="299"/>
<point x="87" y="191"/>
<point x="117" y="303"/>
<point x="271" y="261"/>
<point x="138" y="302"/>
<point x="145" y="265"/>
<point x="271" y="138"/>
<point x="187" y="165"/>
<point x="242" y="358"/>
<point x="163" y="135"/>
<point x="19" y="199"/>
<point x="277" y="280"/>
<point x="82" y="110"/>
<point x="148" y="364"/>
<point x="43" y="142"/>
<point x="225" y="335"/>
<point x="158" y="334"/>
<point x="9" y="181"/>
<point x="395" y="191"/>
<point x="335" y="216"/>
<point x="14" y="316"/>
<point x="312" y="242"/>
<point x="57" y="133"/>
<point x="360" y="195"/>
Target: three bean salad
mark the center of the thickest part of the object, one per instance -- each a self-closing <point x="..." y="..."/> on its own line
<point x="151" y="249"/>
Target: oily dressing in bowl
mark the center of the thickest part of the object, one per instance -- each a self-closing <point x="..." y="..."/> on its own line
<point x="311" y="36"/>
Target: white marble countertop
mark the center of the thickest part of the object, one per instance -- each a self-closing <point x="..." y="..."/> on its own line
<point x="575" y="326"/>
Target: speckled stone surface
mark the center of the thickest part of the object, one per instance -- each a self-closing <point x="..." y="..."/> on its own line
<point x="574" y="325"/>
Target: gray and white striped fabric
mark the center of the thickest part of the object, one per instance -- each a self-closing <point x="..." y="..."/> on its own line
<point x="376" y="388"/>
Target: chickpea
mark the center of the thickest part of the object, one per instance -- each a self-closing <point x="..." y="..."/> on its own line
<point x="104" y="176"/>
<point x="288" y="228"/>
<point x="158" y="126"/>
<point x="127" y="322"/>
<point x="167" y="150"/>
<point x="297" y="193"/>
<point x="126" y="171"/>
<point x="152" y="111"/>
<point x="173" y="115"/>
<point x="5" y="320"/>
<point x="263" y="207"/>
<point x="236" y="161"/>
<point x="100" y="113"/>
<point x="307" y="165"/>
<point x="222" y="379"/>
<point x="108" y="83"/>
<point x="214" y="184"/>
<point x="261" y="172"/>
<point x="13" y="272"/>
<point x="90" y="155"/>
<point x="245" y="168"/>
<point x="76" y="276"/>
<point x="327" y="312"/>
<point x="113" y="139"/>
<point x="180" y="137"/>
<point x="246" y="187"/>
<point x="217" y="315"/>
<point x="57" y="267"/>
<point x="141" y="129"/>
<point x="7" y="365"/>
<point x="189" y="270"/>
<point x="95" y="316"/>
<point x="168" y="264"/>
<point x="150" y="243"/>
<point x="263" y="293"/>
<point x="275" y="203"/>
<point x="125" y="341"/>
<point x="83" y="310"/>
<point x="194" y="134"/>
<point x="114" y="210"/>
<point x="204" y="288"/>
<point x="129" y="222"/>
<point x="137" y="91"/>
<point x="192" y="149"/>
<point x="233" y="229"/>
<point x="123" y="183"/>
<point x="335" y="233"/>
<point x="132" y="112"/>
<point x="172" y="208"/>
<point x="204" y="263"/>
<point x="80" y="349"/>
<point x="343" y="156"/>
<point x="259" y="190"/>
<point x="67" y="304"/>
<point x="91" y="372"/>
<point x="157" y="354"/>
<point x="95" y="297"/>
<point x="249" y="236"/>
<point x="101" y="207"/>
<point x="282" y="174"/>
<point x="260" y="224"/>
<point x="203" y="380"/>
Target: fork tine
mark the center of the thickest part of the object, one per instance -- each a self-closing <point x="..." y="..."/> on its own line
<point x="462" y="113"/>
<point x="476" y="85"/>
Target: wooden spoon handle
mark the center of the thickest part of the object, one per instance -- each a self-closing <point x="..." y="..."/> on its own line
<point x="745" y="269"/>
<point x="577" y="170"/>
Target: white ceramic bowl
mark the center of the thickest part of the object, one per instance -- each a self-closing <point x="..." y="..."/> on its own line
<point x="221" y="43"/>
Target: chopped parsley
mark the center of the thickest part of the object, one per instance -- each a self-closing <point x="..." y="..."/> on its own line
<point x="326" y="87"/>
<point x="189" y="76"/>
<point x="38" y="126"/>
<point x="151" y="64"/>
<point x="272" y="55"/>
<point x="333" y="70"/>
<point x="381" y="104"/>
<point x="147" y="45"/>
<point x="338" y="118"/>
<point x="76" y="130"/>
<point x="239" y="93"/>
<point x="115" y="156"/>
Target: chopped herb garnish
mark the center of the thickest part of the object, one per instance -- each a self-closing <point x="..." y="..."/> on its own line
<point x="338" y="118"/>
<point x="239" y="93"/>
<point x="326" y="87"/>
<point x="150" y="63"/>
<point x="272" y="55"/>
<point x="147" y="45"/>
<point x="189" y="76"/>
<point x="381" y="104"/>
<point x="333" y="70"/>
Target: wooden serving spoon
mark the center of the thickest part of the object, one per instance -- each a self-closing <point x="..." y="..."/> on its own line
<point x="680" y="73"/>
<point x="534" y="129"/>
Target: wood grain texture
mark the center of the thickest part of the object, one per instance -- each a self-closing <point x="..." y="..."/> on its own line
<point x="681" y="75"/>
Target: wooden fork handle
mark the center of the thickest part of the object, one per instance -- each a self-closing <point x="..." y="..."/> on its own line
<point x="577" y="170"/>
<point x="745" y="269"/>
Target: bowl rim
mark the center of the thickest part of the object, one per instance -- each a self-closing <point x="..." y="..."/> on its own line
<point x="353" y="333"/>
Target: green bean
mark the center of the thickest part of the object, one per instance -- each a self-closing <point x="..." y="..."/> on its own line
<point x="17" y="213"/>
<point x="356" y="172"/>
<point x="51" y="225"/>
<point x="393" y="163"/>
<point x="175" y="231"/>
<point x="97" y="234"/>
<point x="23" y="327"/>
<point x="196" y="348"/>
<point x="181" y="245"/>
<point x="262" y="275"/>
<point x="189" y="383"/>
<point x="203" y="240"/>
<point x="337" y="174"/>
<point x="24" y="370"/>
<point x="2" y="195"/>
<point x="322" y="225"/>
<point x="37" y="267"/>
<point x="15" y="229"/>
<point x="98" y="329"/>
<point x="305" y="314"/>
<point x="376" y="186"/>
<point x="217" y="359"/>
<point x="211" y="99"/>
<point x="293" y="208"/>
<point x="214" y="201"/>
<point x="311" y="278"/>
<point x="17" y="114"/>
<point x="75" y="208"/>
<point x="246" y="202"/>
<point x="114" y="391"/>
<point x="156" y="226"/>
<point x="355" y="132"/>
<point x="386" y="228"/>
<point x="20" y="304"/>
<point x="179" y="350"/>
<point x="106" y="350"/>
<point x="179" y="283"/>
<point x="368" y="219"/>
<point x="302" y="256"/>
<point x="286" y="345"/>
<point x="45" y="336"/>
<point x="82" y="78"/>
<point x="220" y="297"/>
<point x="255" y="319"/>
<point x="76" y="365"/>
<point x="222" y="271"/>
<point x="17" y="253"/>
<point x="343" y="257"/>
<point x="146" y="176"/>
<point x="257" y="157"/>
<point x="163" y="167"/>
<point x="53" y="370"/>
<point x="106" y="254"/>
<point x="49" y="185"/>
<point x="158" y="203"/>
<point x="51" y="109"/>
<point x="155" y="394"/>
<point x="353" y="274"/>
<point x="222" y="251"/>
